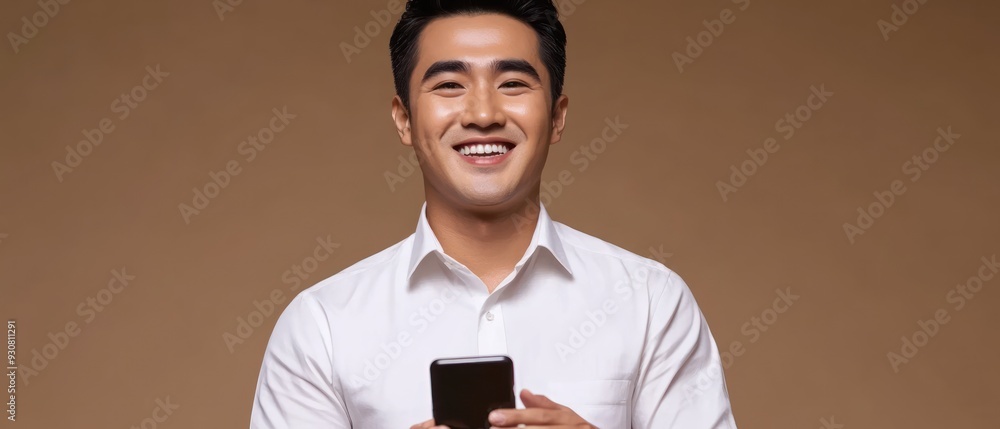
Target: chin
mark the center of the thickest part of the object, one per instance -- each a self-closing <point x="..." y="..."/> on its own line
<point x="486" y="200"/>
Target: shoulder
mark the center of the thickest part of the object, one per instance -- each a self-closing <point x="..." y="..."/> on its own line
<point x="650" y="273"/>
<point x="590" y="247"/>
<point x="365" y="272"/>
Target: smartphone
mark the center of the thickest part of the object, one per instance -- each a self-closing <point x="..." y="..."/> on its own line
<point x="464" y="390"/>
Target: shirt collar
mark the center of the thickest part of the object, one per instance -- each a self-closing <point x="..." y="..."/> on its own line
<point x="545" y="235"/>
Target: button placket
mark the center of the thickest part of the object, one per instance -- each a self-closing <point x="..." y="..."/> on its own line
<point x="492" y="334"/>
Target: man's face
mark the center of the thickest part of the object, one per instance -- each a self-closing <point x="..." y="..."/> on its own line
<point x="480" y="79"/>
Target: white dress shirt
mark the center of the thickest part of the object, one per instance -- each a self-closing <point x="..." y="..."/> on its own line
<point x="615" y="336"/>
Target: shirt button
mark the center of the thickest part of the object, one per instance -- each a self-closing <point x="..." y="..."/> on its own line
<point x="489" y="316"/>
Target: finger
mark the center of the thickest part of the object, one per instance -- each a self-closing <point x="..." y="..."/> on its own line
<point x="428" y="424"/>
<point x="531" y="400"/>
<point x="530" y="416"/>
<point x="522" y="426"/>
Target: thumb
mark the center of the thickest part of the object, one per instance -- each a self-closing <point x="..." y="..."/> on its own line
<point x="532" y="400"/>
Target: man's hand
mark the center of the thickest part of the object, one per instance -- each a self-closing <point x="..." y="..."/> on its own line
<point x="539" y="412"/>
<point x="429" y="424"/>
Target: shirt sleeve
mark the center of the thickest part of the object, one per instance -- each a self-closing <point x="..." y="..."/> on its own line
<point x="297" y="386"/>
<point x="681" y="383"/>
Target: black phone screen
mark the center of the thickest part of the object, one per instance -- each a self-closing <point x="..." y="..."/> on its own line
<point x="465" y="390"/>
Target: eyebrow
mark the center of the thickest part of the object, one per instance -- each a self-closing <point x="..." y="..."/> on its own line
<point x="497" y="66"/>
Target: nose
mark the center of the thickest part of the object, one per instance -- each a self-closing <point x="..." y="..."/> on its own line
<point x="482" y="109"/>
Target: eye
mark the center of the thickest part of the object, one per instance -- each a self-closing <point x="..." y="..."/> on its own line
<point x="448" y="85"/>
<point x="515" y="84"/>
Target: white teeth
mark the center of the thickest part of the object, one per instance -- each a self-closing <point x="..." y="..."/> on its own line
<point x="481" y="149"/>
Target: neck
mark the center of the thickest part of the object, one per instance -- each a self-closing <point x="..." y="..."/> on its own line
<point x="489" y="240"/>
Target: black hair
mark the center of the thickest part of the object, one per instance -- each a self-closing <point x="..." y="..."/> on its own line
<point x="541" y="15"/>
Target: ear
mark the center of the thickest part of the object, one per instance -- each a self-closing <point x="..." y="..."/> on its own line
<point x="402" y="120"/>
<point x="559" y="118"/>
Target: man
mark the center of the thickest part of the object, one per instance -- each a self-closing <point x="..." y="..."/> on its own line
<point x="599" y="336"/>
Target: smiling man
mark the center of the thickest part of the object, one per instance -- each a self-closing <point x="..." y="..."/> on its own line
<point x="599" y="336"/>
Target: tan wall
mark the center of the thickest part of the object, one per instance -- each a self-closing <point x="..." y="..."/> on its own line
<point x="654" y="186"/>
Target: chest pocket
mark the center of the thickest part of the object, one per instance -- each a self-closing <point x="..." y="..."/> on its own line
<point x="602" y="403"/>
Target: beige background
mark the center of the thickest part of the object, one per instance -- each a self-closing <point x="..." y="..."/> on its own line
<point x="654" y="187"/>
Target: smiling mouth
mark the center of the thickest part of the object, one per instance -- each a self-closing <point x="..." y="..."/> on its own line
<point x="484" y="149"/>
